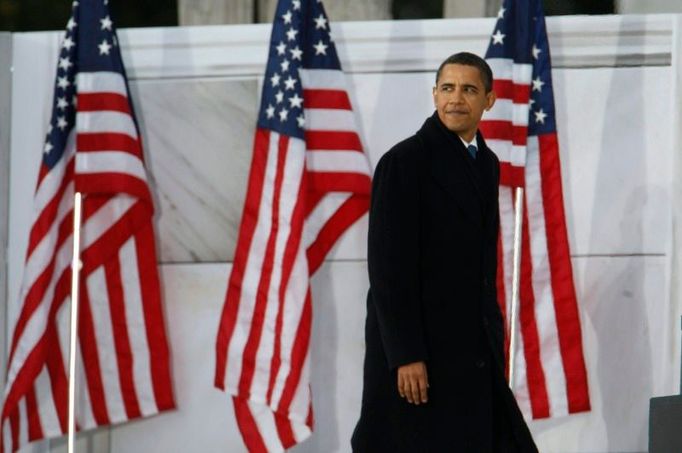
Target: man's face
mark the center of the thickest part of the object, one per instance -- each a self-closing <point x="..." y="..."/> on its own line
<point x="461" y="99"/>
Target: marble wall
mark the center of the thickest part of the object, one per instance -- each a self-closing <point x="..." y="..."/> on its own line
<point x="213" y="12"/>
<point x="198" y="135"/>
<point x="338" y="11"/>
<point x="196" y="89"/>
<point x="472" y="8"/>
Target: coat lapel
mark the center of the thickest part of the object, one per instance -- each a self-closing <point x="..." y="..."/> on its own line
<point x="454" y="170"/>
<point x="489" y="171"/>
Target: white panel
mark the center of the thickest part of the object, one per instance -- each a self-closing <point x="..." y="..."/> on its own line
<point x="614" y="138"/>
<point x="387" y="46"/>
<point x="32" y="87"/>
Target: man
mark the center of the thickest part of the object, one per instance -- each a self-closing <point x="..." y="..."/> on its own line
<point x="434" y="373"/>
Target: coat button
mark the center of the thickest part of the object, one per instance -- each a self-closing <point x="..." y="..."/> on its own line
<point x="480" y="363"/>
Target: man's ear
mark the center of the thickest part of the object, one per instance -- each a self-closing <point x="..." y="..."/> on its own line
<point x="491" y="97"/>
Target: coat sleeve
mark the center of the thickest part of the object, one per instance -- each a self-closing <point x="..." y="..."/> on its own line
<point x="393" y="258"/>
<point x="492" y="313"/>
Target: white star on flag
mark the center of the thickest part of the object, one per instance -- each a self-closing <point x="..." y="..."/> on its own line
<point x="68" y="43"/>
<point x="320" y="48"/>
<point x="63" y="83"/>
<point x="289" y="83"/>
<point x="284" y="65"/>
<point x="500" y="13"/>
<point x="71" y="24"/>
<point x="296" y="4"/>
<point x="296" y="53"/>
<point x="275" y="79"/>
<point x="270" y="111"/>
<point x="281" y="48"/>
<point x="61" y="103"/>
<point x="279" y="97"/>
<point x="283" y="114"/>
<point x="65" y="63"/>
<point x="540" y="116"/>
<point x="61" y="123"/>
<point x="106" y="23"/>
<point x="104" y="48"/>
<point x="537" y="84"/>
<point x="536" y="51"/>
<point x="287" y="17"/>
<point x="295" y="101"/>
<point x="498" y="37"/>
<point x="301" y="120"/>
<point x="320" y="22"/>
<point x="291" y="34"/>
<point x="48" y="147"/>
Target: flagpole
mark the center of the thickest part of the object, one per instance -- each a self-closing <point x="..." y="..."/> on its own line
<point x="516" y="278"/>
<point x="73" y="326"/>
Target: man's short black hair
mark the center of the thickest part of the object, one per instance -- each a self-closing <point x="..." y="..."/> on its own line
<point x="470" y="59"/>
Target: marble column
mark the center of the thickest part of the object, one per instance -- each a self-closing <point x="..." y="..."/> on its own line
<point x="470" y="8"/>
<point x="650" y="6"/>
<point x="338" y="10"/>
<point x="214" y="12"/>
<point x="5" y="109"/>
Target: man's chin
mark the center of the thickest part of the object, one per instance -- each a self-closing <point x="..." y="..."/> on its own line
<point x="455" y="127"/>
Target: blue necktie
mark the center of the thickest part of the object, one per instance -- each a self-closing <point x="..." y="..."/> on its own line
<point x="472" y="150"/>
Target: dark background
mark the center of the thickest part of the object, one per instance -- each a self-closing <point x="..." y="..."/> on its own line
<point x="429" y="9"/>
<point x="28" y="15"/>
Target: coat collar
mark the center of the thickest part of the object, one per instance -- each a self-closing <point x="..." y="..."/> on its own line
<point x="449" y="156"/>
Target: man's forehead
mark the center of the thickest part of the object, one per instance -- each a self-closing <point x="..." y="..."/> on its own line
<point x="458" y="73"/>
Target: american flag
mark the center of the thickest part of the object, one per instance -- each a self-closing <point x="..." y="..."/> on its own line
<point x="551" y="379"/>
<point x="92" y="146"/>
<point x="309" y="181"/>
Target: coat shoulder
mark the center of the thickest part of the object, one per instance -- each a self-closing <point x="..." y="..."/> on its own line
<point x="406" y="152"/>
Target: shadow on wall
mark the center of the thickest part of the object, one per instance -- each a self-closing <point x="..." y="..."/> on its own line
<point x="617" y="308"/>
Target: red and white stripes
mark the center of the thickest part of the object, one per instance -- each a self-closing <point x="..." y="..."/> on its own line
<point x="505" y="126"/>
<point x="302" y="196"/>
<point x="123" y="372"/>
<point x="550" y="380"/>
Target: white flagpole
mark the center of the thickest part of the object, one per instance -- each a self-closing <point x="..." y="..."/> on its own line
<point x="516" y="278"/>
<point x="73" y="327"/>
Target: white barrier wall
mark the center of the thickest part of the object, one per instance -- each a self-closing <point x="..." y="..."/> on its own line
<point x="196" y="92"/>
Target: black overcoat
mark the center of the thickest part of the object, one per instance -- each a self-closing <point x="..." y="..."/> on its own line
<point x="432" y="262"/>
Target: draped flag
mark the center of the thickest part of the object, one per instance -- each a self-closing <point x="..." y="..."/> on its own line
<point x="551" y="379"/>
<point x="309" y="181"/>
<point x="93" y="147"/>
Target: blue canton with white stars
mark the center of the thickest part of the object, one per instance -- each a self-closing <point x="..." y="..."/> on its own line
<point x="300" y="39"/>
<point x="90" y="44"/>
<point x="521" y="34"/>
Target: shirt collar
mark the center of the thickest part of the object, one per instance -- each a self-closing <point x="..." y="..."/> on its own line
<point x="473" y="142"/>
